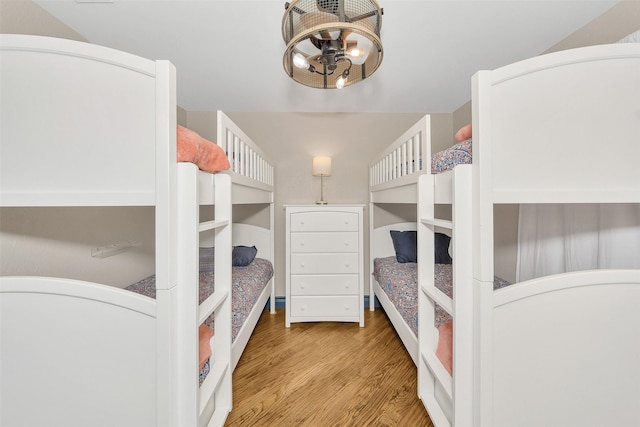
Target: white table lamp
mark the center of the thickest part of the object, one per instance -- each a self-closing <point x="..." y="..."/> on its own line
<point x="321" y="167"/>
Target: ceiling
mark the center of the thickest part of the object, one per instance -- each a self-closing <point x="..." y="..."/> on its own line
<point x="228" y="54"/>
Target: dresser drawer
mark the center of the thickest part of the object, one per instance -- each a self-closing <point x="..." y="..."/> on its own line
<point x="329" y="284"/>
<point x="324" y="242"/>
<point x="325" y="306"/>
<point x="322" y="263"/>
<point x="324" y="221"/>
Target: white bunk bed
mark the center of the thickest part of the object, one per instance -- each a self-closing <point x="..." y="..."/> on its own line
<point x="242" y="327"/>
<point x="502" y="375"/>
<point x="557" y="350"/>
<point x="393" y="180"/>
<point x="252" y="177"/>
<point x="84" y="125"/>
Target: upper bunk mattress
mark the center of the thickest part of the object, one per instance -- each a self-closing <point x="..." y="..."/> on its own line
<point x="457" y="154"/>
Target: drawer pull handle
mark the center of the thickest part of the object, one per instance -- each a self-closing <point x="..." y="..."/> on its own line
<point x="346" y="243"/>
<point x="346" y="307"/>
<point x="301" y="265"/>
<point x="303" y="307"/>
<point x="301" y="285"/>
<point x="346" y="265"/>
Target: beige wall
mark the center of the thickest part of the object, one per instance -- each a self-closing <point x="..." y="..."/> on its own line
<point x="58" y="242"/>
<point x="26" y="17"/>
<point x="611" y="26"/>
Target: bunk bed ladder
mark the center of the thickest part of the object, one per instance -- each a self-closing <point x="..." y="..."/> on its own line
<point x="210" y="403"/>
<point x="433" y="379"/>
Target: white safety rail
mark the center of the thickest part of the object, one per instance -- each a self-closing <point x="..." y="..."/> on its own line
<point x="404" y="158"/>
<point x="246" y="158"/>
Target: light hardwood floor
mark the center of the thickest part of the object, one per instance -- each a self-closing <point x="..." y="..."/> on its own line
<point x="326" y="374"/>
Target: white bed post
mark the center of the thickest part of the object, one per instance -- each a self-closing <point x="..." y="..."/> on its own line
<point x="372" y="295"/>
<point x="482" y="238"/>
<point x="221" y="352"/>
<point x="426" y="331"/>
<point x="187" y="294"/>
<point x="166" y="234"/>
<point x="273" y="255"/>
<point x="462" y="296"/>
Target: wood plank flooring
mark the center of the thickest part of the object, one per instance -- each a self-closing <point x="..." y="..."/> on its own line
<point x="326" y="374"/>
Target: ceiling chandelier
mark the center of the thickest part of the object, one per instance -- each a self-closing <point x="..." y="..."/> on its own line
<point x="331" y="43"/>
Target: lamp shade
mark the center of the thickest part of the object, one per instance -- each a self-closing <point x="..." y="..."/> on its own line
<point x="321" y="166"/>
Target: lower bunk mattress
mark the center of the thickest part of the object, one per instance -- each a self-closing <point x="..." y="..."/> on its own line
<point x="248" y="282"/>
<point x="400" y="282"/>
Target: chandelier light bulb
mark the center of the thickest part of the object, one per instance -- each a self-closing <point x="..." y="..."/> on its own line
<point x="356" y="52"/>
<point x="340" y="82"/>
<point x="300" y="61"/>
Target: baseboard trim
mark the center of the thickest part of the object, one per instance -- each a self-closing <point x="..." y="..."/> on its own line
<point x="280" y="302"/>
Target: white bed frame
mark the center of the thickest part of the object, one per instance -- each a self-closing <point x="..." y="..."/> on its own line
<point x="84" y="125"/>
<point x="252" y="183"/>
<point x="558" y="350"/>
<point x="263" y="240"/>
<point x="381" y="246"/>
<point x="393" y="179"/>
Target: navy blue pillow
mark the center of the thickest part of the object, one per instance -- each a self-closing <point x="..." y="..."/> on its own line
<point x="405" y="244"/>
<point x="243" y="255"/>
<point x="442" y="249"/>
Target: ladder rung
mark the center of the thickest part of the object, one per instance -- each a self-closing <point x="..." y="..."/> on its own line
<point x="439" y="372"/>
<point x="438" y="222"/>
<point x="439" y="297"/>
<point x="211" y="383"/>
<point x="210" y="225"/>
<point x="210" y="305"/>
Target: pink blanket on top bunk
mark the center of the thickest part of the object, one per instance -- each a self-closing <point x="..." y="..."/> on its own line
<point x="205" y="154"/>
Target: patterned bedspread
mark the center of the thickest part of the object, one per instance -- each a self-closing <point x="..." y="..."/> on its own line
<point x="400" y="282"/>
<point x="458" y="154"/>
<point x="247" y="284"/>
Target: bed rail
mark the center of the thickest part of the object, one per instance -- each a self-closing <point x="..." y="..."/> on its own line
<point x="403" y="161"/>
<point x="249" y="164"/>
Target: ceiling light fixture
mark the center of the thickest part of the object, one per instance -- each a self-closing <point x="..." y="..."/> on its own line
<point x="331" y="43"/>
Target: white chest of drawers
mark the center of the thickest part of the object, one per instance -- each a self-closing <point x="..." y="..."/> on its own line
<point x="324" y="275"/>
